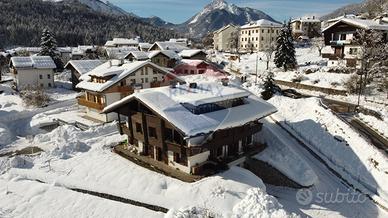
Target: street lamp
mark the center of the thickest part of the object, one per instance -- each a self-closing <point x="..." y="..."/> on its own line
<point x="257" y="62"/>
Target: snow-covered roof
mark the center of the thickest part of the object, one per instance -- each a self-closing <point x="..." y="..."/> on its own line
<point x="139" y="55"/>
<point x="224" y="28"/>
<point x="119" y="69"/>
<point x="350" y="16"/>
<point x="307" y="20"/>
<point x="262" y="23"/>
<point x="190" y="52"/>
<point x="28" y="49"/>
<point x="360" y="23"/>
<point x="64" y="49"/>
<point x="120" y="52"/>
<point x="84" y="66"/>
<point x="192" y="62"/>
<point x="122" y="41"/>
<point x="145" y="45"/>
<point x="36" y="62"/>
<point x="169" y="53"/>
<point x="167" y="102"/>
<point x="173" y="46"/>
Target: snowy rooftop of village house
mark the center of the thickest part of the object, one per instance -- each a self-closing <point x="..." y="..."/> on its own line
<point x="169" y="53"/>
<point x="189" y="52"/>
<point x="361" y="23"/>
<point x="262" y="23"/>
<point x="145" y="45"/>
<point x="113" y="68"/>
<point x="122" y="41"/>
<point x="139" y="55"/>
<point x="84" y="66"/>
<point x="167" y="102"/>
<point x="37" y="62"/>
<point x="307" y="20"/>
<point x="173" y="46"/>
<point x="192" y="62"/>
<point x="120" y="52"/>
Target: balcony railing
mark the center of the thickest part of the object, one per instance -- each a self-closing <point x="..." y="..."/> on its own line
<point x="82" y="101"/>
<point x="341" y="42"/>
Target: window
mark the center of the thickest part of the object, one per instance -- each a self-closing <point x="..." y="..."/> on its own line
<point x="40" y="76"/>
<point x="257" y="31"/>
<point x="122" y="83"/>
<point x="201" y="71"/>
<point x="138" y="128"/>
<point x="154" y="71"/>
<point x="273" y="31"/>
<point x="186" y="71"/>
<point x="268" y="30"/>
<point x="48" y="76"/>
<point x="257" y="38"/>
<point x="343" y="36"/>
<point x="155" y="79"/>
<point x="152" y="132"/>
<point x="262" y="31"/>
<point x="262" y="38"/>
<point x="353" y="51"/>
<point x="146" y="71"/>
<point x="41" y="85"/>
<point x="142" y="71"/>
<point x="146" y="80"/>
<point x="191" y="71"/>
<point x="168" y="134"/>
<point x="133" y="81"/>
<point x="142" y="80"/>
<point x="49" y="85"/>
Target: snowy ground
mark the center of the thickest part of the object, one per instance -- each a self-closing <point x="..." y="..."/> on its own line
<point x="342" y="146"/>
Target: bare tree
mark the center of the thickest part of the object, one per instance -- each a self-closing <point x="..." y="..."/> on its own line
<point x="233" y="41"/>
<point x="318" y="43"/>
<point x="268" y="52"/>
<point x="34" y="96"/>
<point x="373" y="54"/>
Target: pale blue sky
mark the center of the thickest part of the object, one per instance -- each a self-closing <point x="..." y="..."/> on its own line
<point x="178" y="11"/>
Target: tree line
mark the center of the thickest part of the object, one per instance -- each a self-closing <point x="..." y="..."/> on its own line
<point x="72" y="24"/>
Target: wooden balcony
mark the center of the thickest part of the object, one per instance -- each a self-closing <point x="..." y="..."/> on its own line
<point x="121" y="89"/>
<point x="82" y="101"/>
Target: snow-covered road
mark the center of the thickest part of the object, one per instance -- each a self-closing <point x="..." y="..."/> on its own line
<point x="328" y="187"/>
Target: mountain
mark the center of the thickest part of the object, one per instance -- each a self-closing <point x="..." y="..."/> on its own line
<point x="157" y="21"/>
<point x="98" y="6"/>
<point x="218" y="14"/>
<point x="370" y="7"/>
<point x="74" y="23"/>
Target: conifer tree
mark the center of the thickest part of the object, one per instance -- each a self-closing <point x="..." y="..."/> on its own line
<point x="48" y="46"/>
<point x="285" y="50"/>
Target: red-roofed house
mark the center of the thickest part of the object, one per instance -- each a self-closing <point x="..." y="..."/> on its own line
<point x="192" y="67"/>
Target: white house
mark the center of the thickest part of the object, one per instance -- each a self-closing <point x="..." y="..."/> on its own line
<point x="123" y="42"/>
<point x="306" y="26"/>
<point x="34" y="71"/>
<point x="222" y="37"/>
<point x="258" y="35"/>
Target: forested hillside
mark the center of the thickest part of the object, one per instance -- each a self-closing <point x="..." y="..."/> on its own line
<point x="22" y="22"/>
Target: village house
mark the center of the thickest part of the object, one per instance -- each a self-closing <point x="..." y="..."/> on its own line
<point x="330" y="22"/>
<point x="119" y="52"/>
<point x="307" y="26"/>
<point x="114" y="80"/>
<point x="83" y="51"/>
<point x="33" y="71"/>
<point x="79" y="68"/>
<point x="191" y="127"/>
<point x="144" y="46"/>
<point x="172" y="46"/>
<point x="165" y="58"/>
<point x="258" y="35"/>
<point x="340" y="37"/>
<point x="194" y="54"/>
<point x="123" y="42"/>
<point x="223" y="37"/>
<point x="194" y="67"/>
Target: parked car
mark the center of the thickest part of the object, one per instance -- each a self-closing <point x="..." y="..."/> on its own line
<point x="291" y="93"/>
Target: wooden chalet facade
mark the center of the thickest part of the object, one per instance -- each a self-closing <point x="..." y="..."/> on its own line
<point x="340" y="36"/>
<point x="108" y="84"/>
<point x="154" y="135"/>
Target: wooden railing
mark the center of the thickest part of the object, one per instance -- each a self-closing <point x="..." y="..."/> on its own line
<point x="82" y="101"/>
<point x="122" y="89"/>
